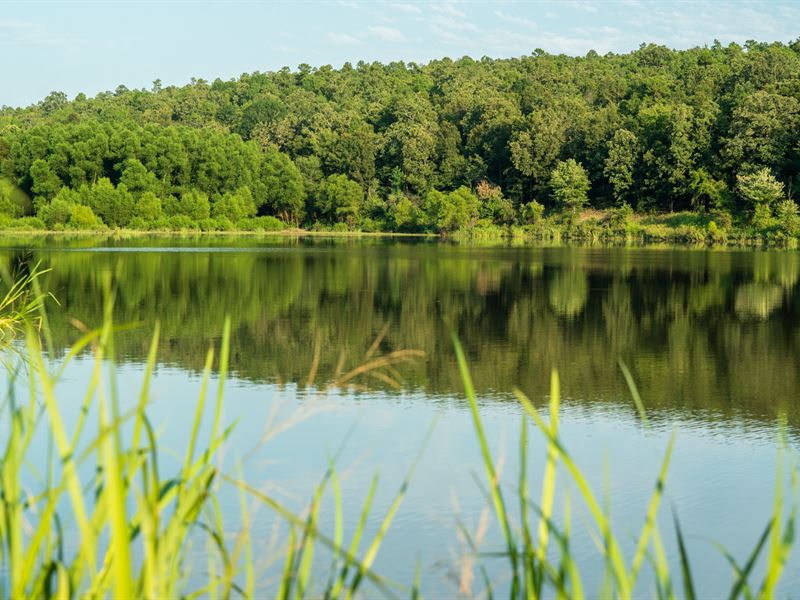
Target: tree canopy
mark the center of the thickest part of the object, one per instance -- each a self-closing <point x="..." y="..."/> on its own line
<point x="655" y="129"/>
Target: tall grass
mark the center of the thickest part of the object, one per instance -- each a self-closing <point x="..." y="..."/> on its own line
<point x="134" y="522"/>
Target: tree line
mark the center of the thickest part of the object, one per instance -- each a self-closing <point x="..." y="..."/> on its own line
<point x="420" y="148"/>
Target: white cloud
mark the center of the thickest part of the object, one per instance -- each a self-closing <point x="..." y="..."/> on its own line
<point x="515" y="19"/>
<point x="407" y="8"/>
<point x="387" y="34"/>
<point x="343" y="39"/>
<point x="15" y="31"/>
<point x="449" y="9"/>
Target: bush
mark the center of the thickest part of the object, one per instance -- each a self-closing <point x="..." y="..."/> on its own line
<point x="691" y="234"/>
<point x="235" y="206"/>
<point x="532" y="212"/>
<point x="148" y="208"/>
<point x="788" y="219"/>
<point x="58" y="212"/>
<point x="28" y="223"/>
<point x="13" y="201"/>
<point x="161" y="224"/>
<point x="621" y="216"/>
<point x="138" y="223"/>
<point x="179" y="222"/>
<point x="208" y="224"/>
<point x="82" y="217"/>
<point x="265" y="223"/>
<point x="722" y="218"/>
<point x="225" y="224"/>
<point x="717" y="235"/>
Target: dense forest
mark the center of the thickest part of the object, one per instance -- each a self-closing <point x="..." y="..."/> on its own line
<point x="514" y="143"/>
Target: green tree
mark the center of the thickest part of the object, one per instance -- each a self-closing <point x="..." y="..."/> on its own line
<point x="760" y="191"/>
<point x="570" y="185"/>
<point x="235" y="206"/>
<point x="45" y="184"/>
<point x="340" y="199"/>
<point x="195" y="205"/>
<point x="113" y="205"/>
<point x="282" y="188"/>
<point x="447" y="212"/>
<point x="137" y="179"/>
<point x="620" y="165"/>
<point x="82" y="217"/>
<point x="148" y="207"/>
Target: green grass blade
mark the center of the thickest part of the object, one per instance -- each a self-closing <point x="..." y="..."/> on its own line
<point x="686" y="571"/>
<point x="488" y="464"/>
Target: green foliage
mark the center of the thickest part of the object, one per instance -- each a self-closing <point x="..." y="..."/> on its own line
<point x="13" y="201"/>
<point x="82" y="217"/>
<point x="708" y="193"/>
<point x="492" y="204"/>
<point x="283" y="188"/>
<point x="570" y="185"/>
<point x="401" y="212"/>
<point x="114" y="205"/>
<point x="619" y="167"/>
<point x="786" y="213"/>
<point x="760" y="191"/>
<point x="235" y="206"/>
<point x="57" y="212"/>
<point x="532" y="212"/>
<point x="194" y="205"/>
<point x="266" y="223"/>
<point x="148" y="207"/>
<point x="621" y="216"/>
<point x="660" y="130"/>
<point x="137" y="179"/>
<point x="340" y="199"/>
<point x="450" y="212"/>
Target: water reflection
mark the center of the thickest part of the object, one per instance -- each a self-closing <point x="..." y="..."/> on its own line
<point x="706" y="333"/>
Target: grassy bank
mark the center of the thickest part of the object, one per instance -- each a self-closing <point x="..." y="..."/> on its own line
<point x="611" y="226"/>
<point x="135" y="520"/>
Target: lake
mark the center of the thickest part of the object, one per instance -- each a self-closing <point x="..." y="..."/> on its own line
<point x="712" y="338"/>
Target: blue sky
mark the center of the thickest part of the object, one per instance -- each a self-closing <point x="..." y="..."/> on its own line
<point x="93" y="46"/>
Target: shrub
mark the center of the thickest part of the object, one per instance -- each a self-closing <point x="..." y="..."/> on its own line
<point x="570" y="185"/>
<point x="161" y="224"/>
<point x="114" y="206"/>
<point x="138" y="223"/>
<point x="621" y="216"/>
<point x="82" y="217"/>
<point x="340" y="199"/>
<point x="28" y="223"/>
<point x="208" y="224"/>
<point x="58" y="212"/>
<point x="532" y="212"/>
<point x="717" y="235"/>
<point x="178" y="222"/>
<point x="148" y="207"/>
<point x="235" y="206"/>
<point x="13" y="201"/>
<point x="787" y="216"/>
<point x="722" y="218"/>
<point x="266" y="223"/>
<point x="194" y="205"/>
<point x="691" y="234"/>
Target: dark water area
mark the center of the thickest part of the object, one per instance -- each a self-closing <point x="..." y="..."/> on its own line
<point x="712" y="338"/>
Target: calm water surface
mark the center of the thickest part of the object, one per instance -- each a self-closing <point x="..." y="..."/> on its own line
<point x="712" y="338"/>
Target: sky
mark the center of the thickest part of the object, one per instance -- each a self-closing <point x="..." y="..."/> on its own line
<point x="94" y="46"/>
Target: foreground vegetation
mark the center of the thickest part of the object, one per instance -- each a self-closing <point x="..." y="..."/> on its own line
<point x="135" y="523"/>
<point x="501" y="147"/>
